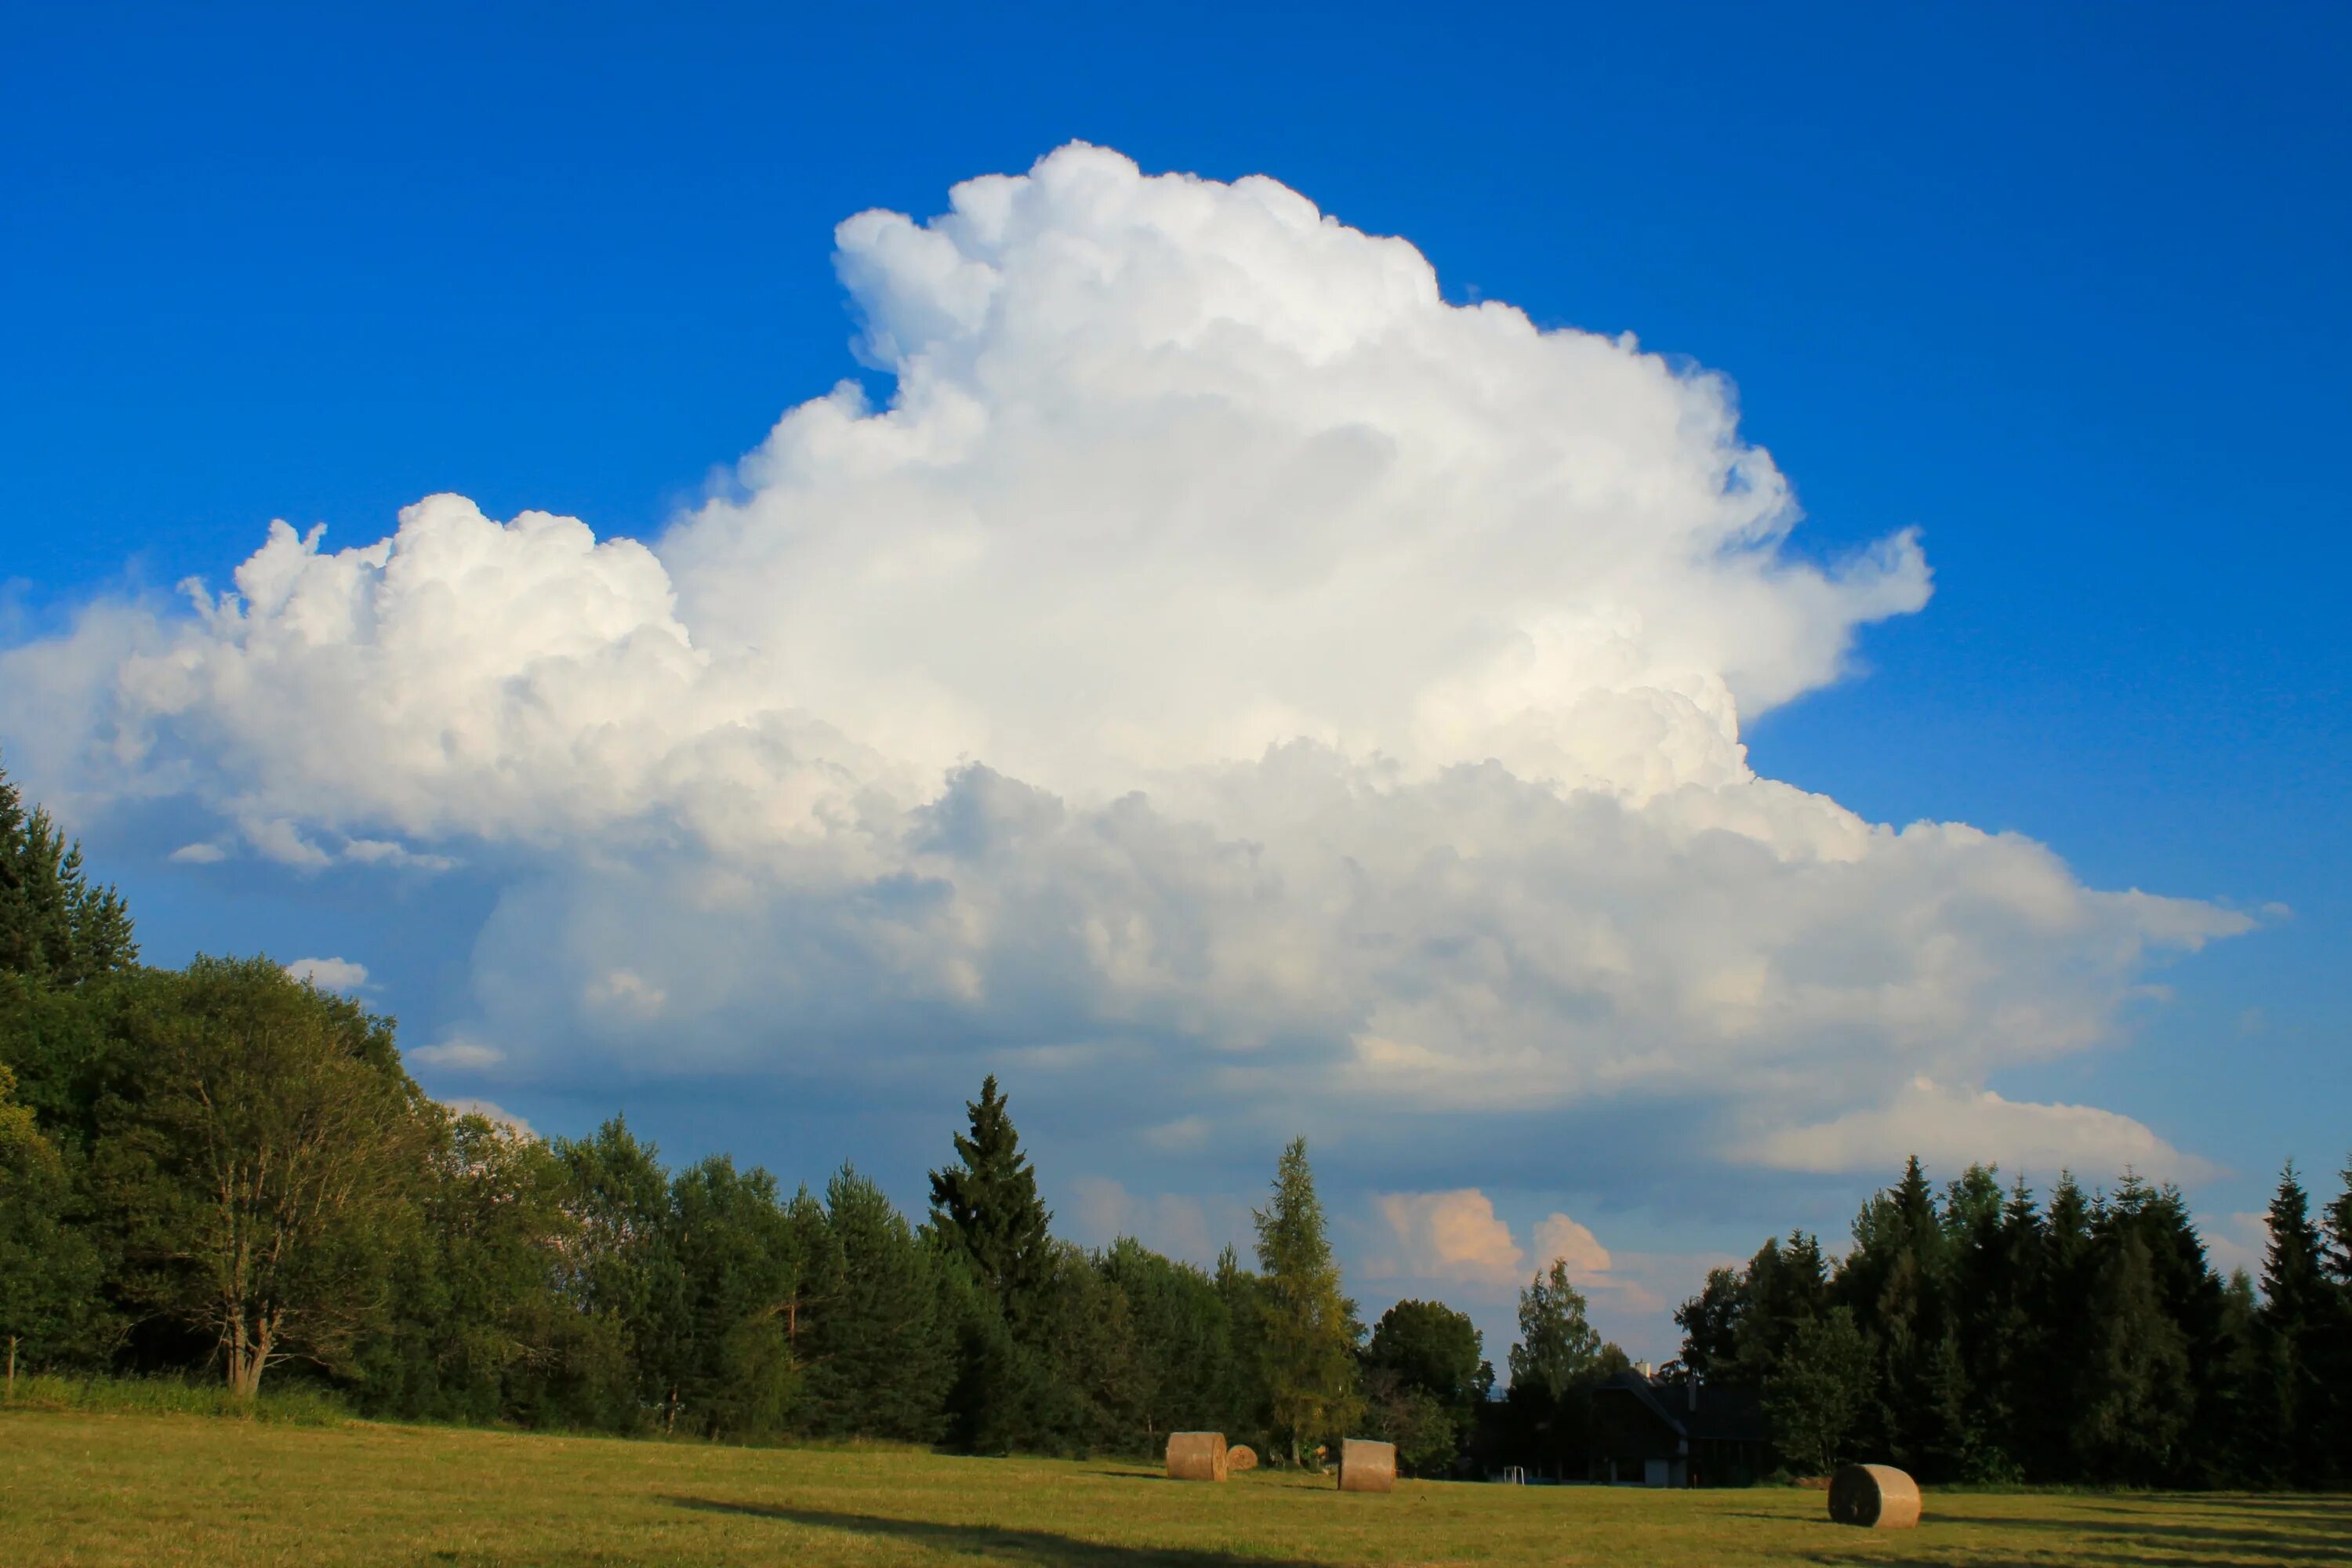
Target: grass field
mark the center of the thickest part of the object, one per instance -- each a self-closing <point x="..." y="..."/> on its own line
<point x="78" y="1487"/>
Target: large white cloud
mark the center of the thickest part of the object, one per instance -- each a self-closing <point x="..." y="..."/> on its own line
<point x="1222" y="652"/>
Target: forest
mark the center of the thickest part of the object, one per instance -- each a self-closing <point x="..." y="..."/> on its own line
<point x="221" y="1172"/>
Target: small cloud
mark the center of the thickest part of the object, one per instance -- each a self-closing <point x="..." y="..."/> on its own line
<point x="1453" y="1235"/>
<point x="199" y="854"/>
<point x="495" y="1114"/>
<point x="276" y="838"/>
<point x="383" y="852"/>
<point x="460" y="1054"/>
<point x="329" y="974"/>
<point x="1184" y="1132"/>
<point x="1953" y="1127"/>
<point x="1558" y="1237"/>
<point x="2252" y="1022"/>
<point x="627" y="991"/>
<point x="2239" y="1241"/>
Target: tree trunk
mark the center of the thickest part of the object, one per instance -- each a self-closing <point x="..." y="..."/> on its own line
<point x="12" y="1366"/>
<point x="248" y="1358"/>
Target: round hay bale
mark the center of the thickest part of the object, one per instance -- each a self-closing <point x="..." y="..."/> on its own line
<point x="1240" y="1458"/>
<point x="1366" y="1466"/>
<point x="1875" y="1496"/>
<point x="1196" y="1455"/>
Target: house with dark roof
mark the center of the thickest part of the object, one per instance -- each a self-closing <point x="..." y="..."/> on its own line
<point x="1650" y="1432"/>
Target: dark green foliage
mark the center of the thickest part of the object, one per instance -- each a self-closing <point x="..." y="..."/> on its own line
<point x="258" y="1151"/>
<point x="1425" y="1379"/>
<point x="869" y="1326"/>
<point x="1817" y="1392"/>
<point x="50" y="1272"/>
<point x="986" y="1206"/>
<point x="55" y="926"/>
<point x="733" y="1252"/>
<point x="1181" y="1333"/>
<point x="2091" y="1341"/>
<point x="2300" y="1347"/>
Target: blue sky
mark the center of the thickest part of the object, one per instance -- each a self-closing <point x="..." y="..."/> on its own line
<point x="2064" y="292"/>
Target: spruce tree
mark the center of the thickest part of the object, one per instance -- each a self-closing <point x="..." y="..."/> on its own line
<point x="54" y="925"/>
<point x="869" y="1324"/>
<point x="1310" y="1329"/>
<point x="2339" y="1227"/>
<point x="2053" y="1388"/>
<point x="2296" y="1317"/>
<point x="2142" y="1398"/>
<point x="987" y="1209"/>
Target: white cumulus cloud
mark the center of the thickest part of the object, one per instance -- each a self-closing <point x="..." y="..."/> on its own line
<point x="329" y="974"/>
<point x="1222" y="664"/>
<point x="1452" y="1237"/>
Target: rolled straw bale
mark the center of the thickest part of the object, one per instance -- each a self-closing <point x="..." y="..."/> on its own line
<point x="1196" y="1455"/>
<point x="1240" y="1457"/>
<point x="1366" y="1466"/>
<point x="1875" y="1496"/>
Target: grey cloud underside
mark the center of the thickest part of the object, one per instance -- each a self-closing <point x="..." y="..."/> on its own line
<point x="1224" y="668"/>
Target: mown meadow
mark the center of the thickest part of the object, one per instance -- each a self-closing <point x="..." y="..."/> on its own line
<point x="86" y="1489"/>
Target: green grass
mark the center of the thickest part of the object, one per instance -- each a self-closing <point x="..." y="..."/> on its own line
<point x="174" y="1397"/>
<point x="78" y="1487"/>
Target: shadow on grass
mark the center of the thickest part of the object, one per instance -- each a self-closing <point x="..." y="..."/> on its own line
<point x="993" y="1542"/>
<point x="2285" y="1536"/>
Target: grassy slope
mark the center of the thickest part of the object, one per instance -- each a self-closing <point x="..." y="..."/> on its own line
<point x="86" y="1488"/>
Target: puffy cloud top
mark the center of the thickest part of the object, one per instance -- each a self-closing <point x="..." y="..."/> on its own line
<point x="1222" y="657"/>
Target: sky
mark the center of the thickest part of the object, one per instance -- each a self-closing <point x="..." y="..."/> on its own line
<point x="1619" y="619"/>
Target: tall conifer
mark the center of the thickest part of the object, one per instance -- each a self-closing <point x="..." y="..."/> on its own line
<point x="986" y="1206"/>
<point x="1310" y="1329"/>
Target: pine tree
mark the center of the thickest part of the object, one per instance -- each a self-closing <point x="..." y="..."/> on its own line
<point x="2142" y="1399"/>
<point x="986" y="1208"/>
<point x="2339" y="1227"/>
<point x="869" y="1324"/>
<point x="1896" y="1281"/>
<point x="1310" y="1329"/>
<point x="1994" y="1278"/>
<point x="54" y="926"/>
<point x="2051" y="1388"/>
<point x="1184" y="1340"/>
<point x="2298" y="1311"/>
<point x="2335" y="1362"/>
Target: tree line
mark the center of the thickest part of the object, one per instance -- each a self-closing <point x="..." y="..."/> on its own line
<point x="222" y="1171"/>
<point x="1982" y="1334"/>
